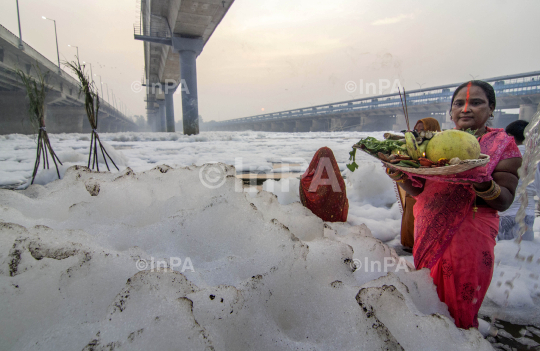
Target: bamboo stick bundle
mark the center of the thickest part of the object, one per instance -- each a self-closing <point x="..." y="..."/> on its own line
<point x="91" y="102"/>
<point x="36" y="91"/>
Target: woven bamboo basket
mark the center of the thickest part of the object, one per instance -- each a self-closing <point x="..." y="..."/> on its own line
<point x="463" y="166"/>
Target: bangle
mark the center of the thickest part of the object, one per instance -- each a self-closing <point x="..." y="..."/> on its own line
<point x="480" y="193"/>
<point x="491" y="194"/>
<point x="496" y="193"/>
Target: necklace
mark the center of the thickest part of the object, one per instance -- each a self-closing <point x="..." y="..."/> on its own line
<point x="481" y="135"/>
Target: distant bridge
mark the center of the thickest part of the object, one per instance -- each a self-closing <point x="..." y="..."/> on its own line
<point x="384" y="112"/>
<point x="65" y="111"/>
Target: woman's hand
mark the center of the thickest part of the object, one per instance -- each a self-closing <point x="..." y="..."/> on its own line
<point x="505" y="176"/>
<point x="481" y="187"/>
<point x="404" y="182"/>
<point x="396" y="176"/>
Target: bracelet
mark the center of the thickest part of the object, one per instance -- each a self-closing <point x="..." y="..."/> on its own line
<point x="496" y="193"/>
<point x="491" y="194"/>
<point x="480" y="193"/>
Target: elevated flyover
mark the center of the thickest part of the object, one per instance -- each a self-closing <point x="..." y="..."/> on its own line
<point x="384" y="112"/>
<point x="174" y="34"/>
<point x="65" y="111"/>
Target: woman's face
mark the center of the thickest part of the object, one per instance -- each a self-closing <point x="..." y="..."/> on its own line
<point x="419" y="127"/>
<point x="477" y="110"/>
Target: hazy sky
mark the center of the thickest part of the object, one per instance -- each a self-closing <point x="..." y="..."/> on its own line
<point x="283" y="54"/>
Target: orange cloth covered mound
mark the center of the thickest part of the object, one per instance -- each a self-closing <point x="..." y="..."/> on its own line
<point x="322" y="188"/>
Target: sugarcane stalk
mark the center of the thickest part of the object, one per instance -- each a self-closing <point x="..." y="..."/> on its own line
<point x="410" y="140"/>
<point x="91" y="95"/>
<point x="36" y="91"/>
<point x="90" y="153"/>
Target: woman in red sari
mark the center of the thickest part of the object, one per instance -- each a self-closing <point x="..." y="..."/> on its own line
<point x="322" y="188"/>
<point x="456" y="224"/>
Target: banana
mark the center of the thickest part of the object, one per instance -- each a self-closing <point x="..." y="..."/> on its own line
<point x="412" y="146"/>
<point x="409" y="163"/>
<point x="422" y="148"/>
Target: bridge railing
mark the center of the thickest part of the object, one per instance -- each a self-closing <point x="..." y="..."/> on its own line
<point x="8" y="36"/>
<point x="52" y="67"/>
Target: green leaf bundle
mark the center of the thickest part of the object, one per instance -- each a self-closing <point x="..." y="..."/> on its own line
<point x="374" y="146"/>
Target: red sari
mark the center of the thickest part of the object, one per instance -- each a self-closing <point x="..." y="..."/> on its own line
<point x="457" y="248"/>
<point x="322" y="188"/>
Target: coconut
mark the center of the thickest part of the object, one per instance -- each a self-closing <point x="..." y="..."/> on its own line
<point x="453" y="143"/>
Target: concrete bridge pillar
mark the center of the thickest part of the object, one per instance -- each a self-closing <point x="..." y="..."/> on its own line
<point x="526" y="111"/>
<point x="151" y="114"/>
<point x="113" y="126"/>
<point x="336" y="124"/>
<point x="189" y="49"/>
<point x="266" y="127"/>
<point x="497" y="119"/>
<point x="161" y="120"/>
<point x="303" y="126"/>
<point x="14" y="114"/>
<point x="320" y="125"/>
<point x="86" y="128"/>
<point x="289" y="127"/>
<point x="276" y="127"/>
<point x="448" y="122"/>
<point x="352" y="123"/>
<point x="64" y="119"/>
<point x="101" y="117"/>
<point x="365" y="120"/>
<point x="256" y="127"/>
<point x="339" y="124"/>
<point x="169" y="111"/>
<point x="151" y="118"/>
<point x="400" y="123"/>
<point x="104" y="125"/>
<point x="121" y="126"/>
